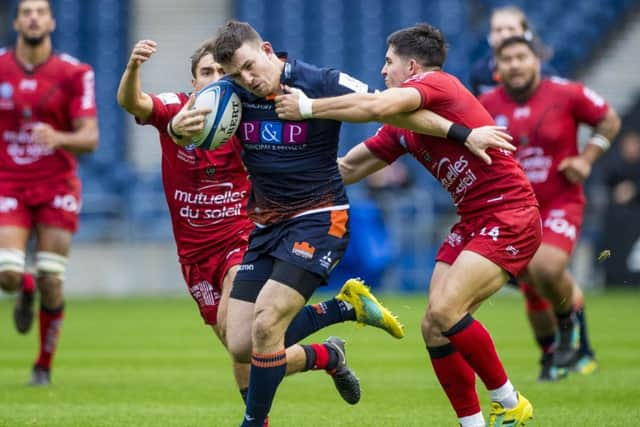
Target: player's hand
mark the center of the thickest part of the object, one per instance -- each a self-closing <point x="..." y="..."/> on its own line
<point x="485" y="137"/>
<point x="46" y="136"/>
<point x="288" y="104"/>
<point x="142" y="51"/>
<point x="576" y="169"/>
<point x="189" y="121"/>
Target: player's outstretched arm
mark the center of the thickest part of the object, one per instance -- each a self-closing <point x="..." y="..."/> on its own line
<point x="359" y="163"/>
<point x="399" y="107"/>
<point x="130" y="94"/>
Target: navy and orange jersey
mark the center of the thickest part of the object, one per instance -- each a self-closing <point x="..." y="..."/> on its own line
<point x="292" y="164"/>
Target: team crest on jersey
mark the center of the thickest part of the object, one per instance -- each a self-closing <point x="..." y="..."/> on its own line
<point x="6" y="96"/>
<point x="303" y="249"/>
<point x="502" y="120"/>
<point x="210" y="171"/>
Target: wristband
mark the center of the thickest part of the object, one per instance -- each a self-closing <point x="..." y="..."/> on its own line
<point x="600" y="141"/>
<point x="458" y="133"/>
<point x="305" y="105"/>
<point x="172" y="132"/>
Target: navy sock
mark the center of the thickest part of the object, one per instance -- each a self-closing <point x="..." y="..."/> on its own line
<point x="243" y="393"/>
<point x="315" y="317"/>
<point x="267" y="371"/>
<point x="585" y="347"/>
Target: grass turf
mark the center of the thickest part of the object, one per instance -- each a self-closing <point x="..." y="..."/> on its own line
<point x="151" y="362"/>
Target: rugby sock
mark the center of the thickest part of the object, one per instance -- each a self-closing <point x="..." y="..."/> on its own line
<point x="505" y="395"/>
<point x="535" y="301"/>
<point x="547" y="343"/>
<point x="566" y="320"/>
<point x="475" y="420"/>
<point x="315" y="317"/>
<point x="267" y="371"/>
<point x="50" y="324"/>
<point x="581" y="317"/>
<point x="28" y="284"/>
<point x="474" y="343"/>
<point x="243" y="393"/>
<point x="457" y="379"/>
<point x="320" y="356"/>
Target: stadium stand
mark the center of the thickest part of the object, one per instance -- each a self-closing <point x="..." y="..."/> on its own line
<point x="121" y="203"/>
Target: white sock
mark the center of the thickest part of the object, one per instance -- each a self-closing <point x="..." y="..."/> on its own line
<point x="505" y="395"/>
<point x="475" y="420"/>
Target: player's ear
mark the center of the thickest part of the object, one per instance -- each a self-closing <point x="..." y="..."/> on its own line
<point x="53" y="25"/>
<point x="193" y="83"/>
<point x="267" y="48"/>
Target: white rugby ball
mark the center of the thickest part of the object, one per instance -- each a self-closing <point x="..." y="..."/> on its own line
<point x="224" y="119"/>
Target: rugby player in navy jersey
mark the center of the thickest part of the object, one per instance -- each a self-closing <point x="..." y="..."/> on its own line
<point x="300" y="208"/>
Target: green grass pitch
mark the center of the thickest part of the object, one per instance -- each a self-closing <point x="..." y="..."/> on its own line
<point x="151" y="362"/>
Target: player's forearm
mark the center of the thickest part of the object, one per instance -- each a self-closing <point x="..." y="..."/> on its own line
<point x="83" y="140"/>
<point x="358" y="163"/>
<point x="130" y="94"/>
<point x="422" y="121"/>
<point x="602" y="136"/>
<point x="354" y="107"/>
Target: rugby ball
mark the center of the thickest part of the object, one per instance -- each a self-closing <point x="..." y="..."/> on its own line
<point x="224" y="119"/>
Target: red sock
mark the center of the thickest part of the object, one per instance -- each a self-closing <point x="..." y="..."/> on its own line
<point x="474" y="343"/>
<point x="535" y="301"/>
<point x="318" y="356"/>
<point x="28" y="284"/>
<point x="457" y="379"/>
<point x="50" y="323"/>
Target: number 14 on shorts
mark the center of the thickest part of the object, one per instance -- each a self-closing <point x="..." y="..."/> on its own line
<point x="493" y="232"/>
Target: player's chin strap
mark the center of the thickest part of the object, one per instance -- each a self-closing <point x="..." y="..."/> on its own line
<point x="305" y="104"/>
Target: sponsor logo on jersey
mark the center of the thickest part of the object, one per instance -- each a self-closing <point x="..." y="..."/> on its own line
<point x="274" y="132"/>
<point x="522" y="112"/>
<point x="454" y="239"/>
<point x="246" y="267"/>
<point x="502" y="120"/>
<point x="326" y="261"/>
<point x="535" y="163"/>
<point x="28" y="85"/>
<point x="210" y="204"/>
<point x="455" y="176"/>
<point x="303" y="250"/>
<point x="352" y="83"/>
<point x="6" y="96"/>
<point x="169" y="98"/>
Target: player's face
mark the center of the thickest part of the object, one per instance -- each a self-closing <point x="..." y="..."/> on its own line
<point x="395" y="69"/>
<point x="503" y="26"/>
<point x="518" y="67"/>
<point x="256" y="68"/>
<point x="207" y="71"/>
<point x="34" y="21"/>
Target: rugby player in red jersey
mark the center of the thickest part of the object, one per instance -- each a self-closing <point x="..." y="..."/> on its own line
<point x="47" y="116"/>
<point x="543" y="115"/>
<point x="499" y="227"/>
<point x="207" y="193"/>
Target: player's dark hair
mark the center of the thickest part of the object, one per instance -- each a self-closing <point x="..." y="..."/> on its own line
<point x="510" y="41"/>
<point x="206" y="48"/>
<point x="22" y="1"/>
<point x="230" y="37"/>
<point x="422" y="42"/>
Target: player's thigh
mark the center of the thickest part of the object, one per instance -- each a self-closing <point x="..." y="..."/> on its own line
<point x="470" y="280"/>
<point x="549" y="263"/>
<point x="53" y="239"/>
<point x="13" y="244"/>
<point x="227" y="284"/>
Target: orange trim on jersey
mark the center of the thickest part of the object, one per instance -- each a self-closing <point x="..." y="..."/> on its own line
<point x="270" y="97"/>
<point x="338" y="223"/>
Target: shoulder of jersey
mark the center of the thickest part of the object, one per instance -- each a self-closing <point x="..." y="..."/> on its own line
<point x="71" y="61"/>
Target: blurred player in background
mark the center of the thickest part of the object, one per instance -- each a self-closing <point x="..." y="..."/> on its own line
<point x="543" y="114"/>
<point x="47" y="116"/>
<point x="499" y="227"/>
<point x="505" y="22"/>
<point x="207" y="193"/>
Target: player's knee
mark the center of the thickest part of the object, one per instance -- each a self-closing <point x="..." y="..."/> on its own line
<point x="265" y="324"/>
<point x="239" y="349"/>
<point x="12" y="262"/>
<point x="442" y="315"/>
<point x="547" y="274"/>
<point x="51" y="268"/>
